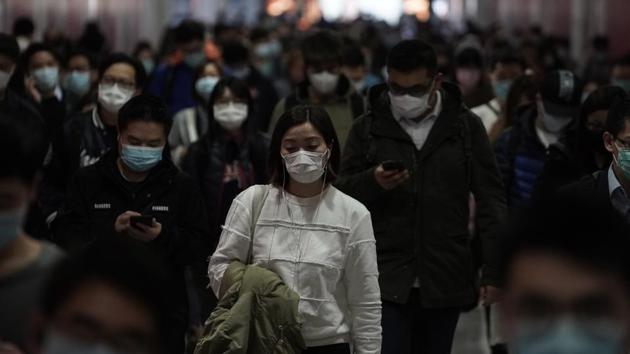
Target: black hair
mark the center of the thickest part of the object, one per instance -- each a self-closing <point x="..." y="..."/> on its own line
<point x="122" y="264"/>
<point x="572" y="227"/>
<point x="469" y="58"/>
<point x="23" y="26"/>
<point x="353" y="56"/>
<point x="9" y="47"/>
<point x="33" y="49"/>
<point x="235" y="52"/>
<point x="140" y="46"/>
<point x="412" y="54"/>
<point x="122" y="58"/>
<point x="618" y="114"/>
<point x="601" y="99"/>
<point x="199" y="72"/>
<point x="524" y="85"/>
<point x="623" y="61"/>
<point x="258" y="34"/>
<point x="507" y="57"/>
<point x="321" y="47"/>
<point x="145" y="108"/>
<point x="79" y="52"/>
<point x="299" y="115"/>
<point x="239" y="90"/>
<point x="23" y="145"/>
<point x="188" y="31"/>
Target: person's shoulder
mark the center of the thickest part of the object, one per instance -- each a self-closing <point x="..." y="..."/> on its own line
<point x="51" y="253"/>
<point x="351" y="205"/>
<point x="182" y="114"/>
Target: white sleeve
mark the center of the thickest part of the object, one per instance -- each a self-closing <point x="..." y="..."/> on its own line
<point x="234" y="242"/>
<point x="363" y="291"/>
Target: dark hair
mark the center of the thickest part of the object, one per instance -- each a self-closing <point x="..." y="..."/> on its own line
<point x="140" y="46"/>
<point x="188" y="31"/>
<point x="506" y="57"/>
<point x="119" y="263"/>
<point x="144" y="108"/>
<point x="33" y="49"/>
<point x="122" y="58"/>
<point x="23" y="145"/>
<point x="412" y="54"/>
<point x="299" y="115"/>
<point x="239" y="90"/>
<point x="524" y="85"/>
<point x="81" y="53"/>
<point x="571" y="227"/>
<point x="321" y="47"/>
<point x="258" y="34"/>
<point x="623" y="61"/>
<point x="235" y="52"/>
<point x="9" y="47"/>
<point x="601" y="99"/>
<point x="353" y="56"/>
<point x="618" y="114"/>
<point x="23" y="26"/>
<point x="469" y="58"/>
<point x="199" y="72"/>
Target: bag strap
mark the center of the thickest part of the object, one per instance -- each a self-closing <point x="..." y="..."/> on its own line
<point x="262" y="191"/>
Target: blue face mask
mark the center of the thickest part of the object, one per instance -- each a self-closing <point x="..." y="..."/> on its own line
<point x="77" y="82"/>
<point x="140" y="158"/>
<point x="205" y="85"/>
<point x="11" y="225"/>
<point x="46" y="79"/>
<point x="193" y="60"/>
<point x="569" y="337"/>
<point x="623" y="83"/>
<point x="148" y="65"/>
<point x="501" y="89"/>
<point x="59" y="344"/>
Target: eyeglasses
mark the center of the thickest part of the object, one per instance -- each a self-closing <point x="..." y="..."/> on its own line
<point x="124" y="84"/>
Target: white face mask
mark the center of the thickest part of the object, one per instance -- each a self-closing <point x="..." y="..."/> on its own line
<point x="553" y="124"/>
<point x="4" y="79"/>
<point x="407" y="106"/>
<point x="113" y="97"/>
<point x="230" y="116"/>
<point x="324" y="82"/>
<point x="57" y="343"/>
<point x="306" y="167"/>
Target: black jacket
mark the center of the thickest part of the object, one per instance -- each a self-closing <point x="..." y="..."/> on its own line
<point x="98" y="195"/>
<point x="421" y="227"/>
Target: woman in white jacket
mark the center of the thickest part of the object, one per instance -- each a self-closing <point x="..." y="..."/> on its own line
<point x="317" y="239"/>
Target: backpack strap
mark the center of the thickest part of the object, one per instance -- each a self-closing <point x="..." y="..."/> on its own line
<point x="262" y="191"/>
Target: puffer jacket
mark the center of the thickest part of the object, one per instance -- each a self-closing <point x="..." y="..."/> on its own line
<point x="257" y="313"/>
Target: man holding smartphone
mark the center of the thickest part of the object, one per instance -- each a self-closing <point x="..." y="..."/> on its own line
<point x="414" y="160"/>
<point x="134" y="192"/>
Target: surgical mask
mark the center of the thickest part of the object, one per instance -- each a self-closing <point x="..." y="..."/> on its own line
<point x="622" y="159"/>
<point x="56" y="343"/>
<point x="623" y="83"/>
<point x="23" y="43"/>
<point x="77" y="82"/>
<point x="501" y="89"/>
<point x="11" y="225"/>
<point x="306" y="167"/>
<point x="4" y="79"/>
<point x="46" y="79"/>
<point x="113" y="97"/>
<point x="141" y="158"/>
<point x="553" y="124"/>
<point x="568" y="337"/>
<point x="231" y="115"/>
<point x="148" y="65"/>
<point x="324" y="82"/>
<point x="407" y="106"/>
<point x="205" y="85"/>
<point x="193" y="60"/>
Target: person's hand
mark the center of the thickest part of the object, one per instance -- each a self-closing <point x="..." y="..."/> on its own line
<point x="390" y="179"/>
<point x="31" y="90"/>
<point x="489" y="295"/>
<point x="145" y="233"/>
<point x="9" y="348"/>
<point x="123" y="221"/>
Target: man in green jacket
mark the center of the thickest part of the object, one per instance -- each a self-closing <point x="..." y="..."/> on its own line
<point x="414" y="160"/>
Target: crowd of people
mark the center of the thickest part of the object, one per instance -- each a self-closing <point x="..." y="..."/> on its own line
<point x="336" y="190"/>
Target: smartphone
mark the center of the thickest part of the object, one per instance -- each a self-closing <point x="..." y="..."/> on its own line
<point x="146" y="220"/>
<point x="393" y="165"/>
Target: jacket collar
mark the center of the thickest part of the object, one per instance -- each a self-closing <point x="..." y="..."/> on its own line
<point x="162" y="174"/>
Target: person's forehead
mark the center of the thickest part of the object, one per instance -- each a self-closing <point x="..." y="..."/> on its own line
<point x="120" y="70"/>
<point x="79" y="60"/>
<point x="145" y="130"/>
<point x="42" y="57"/>
<point x="108" y="307"/>
<point x="418" y="76"/>
<point x="555" y="277"/>
<point x="302" y="132"/>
